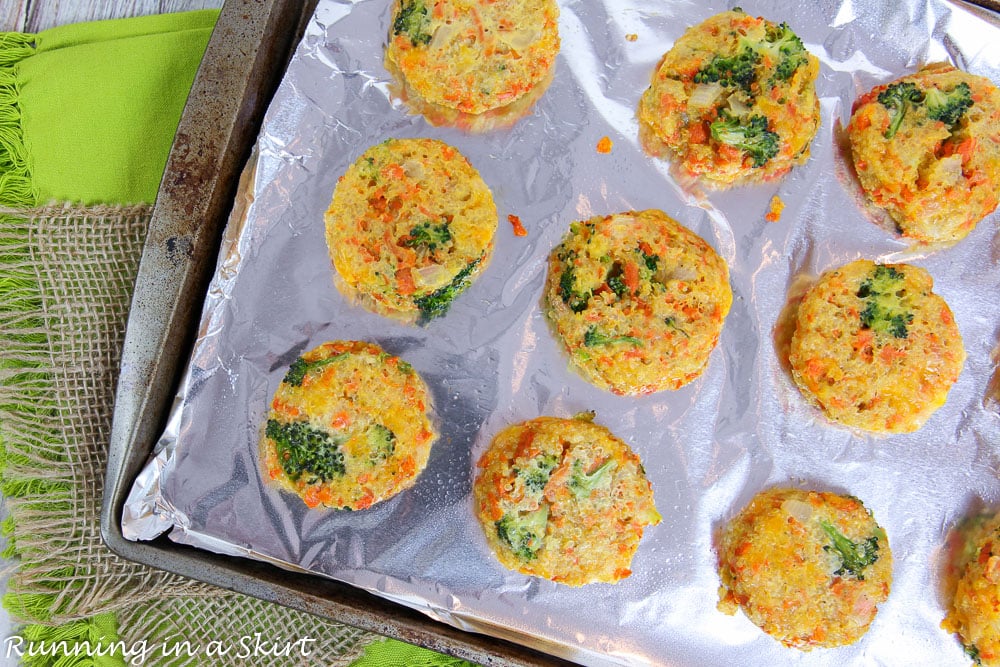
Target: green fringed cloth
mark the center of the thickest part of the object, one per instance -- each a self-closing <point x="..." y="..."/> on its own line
<point x="88" y="111"/>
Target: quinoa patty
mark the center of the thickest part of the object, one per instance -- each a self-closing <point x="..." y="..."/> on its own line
<point x="808" y="568"/>
<point x="473" y="57"/>
<point x="875" y="348"/>
<point x="563" y="499"/>
<point x="348" y="426"/>
<point x="637" y="300"/>
<point x="733" y="101"/>
<point x="410" y="227"/>
<point x="974" y="611"/>
<point x="926" y="148"/>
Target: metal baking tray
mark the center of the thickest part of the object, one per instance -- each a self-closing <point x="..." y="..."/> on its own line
<point x="243" y="64"/>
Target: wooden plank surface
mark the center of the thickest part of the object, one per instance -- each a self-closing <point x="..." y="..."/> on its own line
<point x="35" y="15"/>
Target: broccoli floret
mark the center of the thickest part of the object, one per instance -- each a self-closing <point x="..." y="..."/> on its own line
<point x="593" y="337"/>
<point x="617" y="285"/>
<point x="854" y="556"/>
<point x="948" y="107"/>
<point x="883" y="280"/>
<point x="884" y="320"/>
<point x="785" y="49"/>
<point x="536" y="475"/>
<point x="616" y="282"/>
<point x="437" y="302"/>
<point x="582" y="484"/>
<point x="404" y="367"/>
<point x="428" y="235"/>
<point x="753" y="137"/>
<point x="299" y="368"/>
<point x="524" y="534"/>
<point x="649" y="261"/>
<point x="304" y="450"/>
<point x="577" y="301"/>
<point x="884" y="310"/>
<point x="413" y="21"/>
<point x="381" y="443"/>
<point x="897" y="98"/>
<point x="738" y="71"/>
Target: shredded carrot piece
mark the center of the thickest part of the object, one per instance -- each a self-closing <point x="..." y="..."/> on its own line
<point x="631" y="277"/>
<point x="519" y="229"/>
<point x="604" y="145"/>
<point x="890" y="353"/>
<point x="404" y="282"/>
<point x="631" y="37"/>
<point x="697" y="134"/>
<point x="365" y="501"/>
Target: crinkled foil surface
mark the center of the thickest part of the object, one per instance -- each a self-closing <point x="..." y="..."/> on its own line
<point x="708" y="448"/>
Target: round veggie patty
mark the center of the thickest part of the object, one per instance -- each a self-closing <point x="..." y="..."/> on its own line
<point x="875" y="348"/>
<point x="348" y="426"/>
<point x="563" y="499"/>
<point x="733" y="101"/>
<point x="638" y="301"/>
<point x="473" y="56"/>
<point x="410" y="227"/>
<point x="974" y="612"/>
<point x="808" y="568"/>
<point x="926" y="148"/>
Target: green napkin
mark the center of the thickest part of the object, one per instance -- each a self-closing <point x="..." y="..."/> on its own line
<point x="97" y="104"/>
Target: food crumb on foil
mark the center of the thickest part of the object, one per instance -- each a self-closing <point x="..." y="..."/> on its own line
<point x="517" y="225"/>
<point x="775" y="209"/>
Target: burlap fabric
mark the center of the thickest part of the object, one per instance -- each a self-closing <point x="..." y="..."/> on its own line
<point x="68" y="275"/>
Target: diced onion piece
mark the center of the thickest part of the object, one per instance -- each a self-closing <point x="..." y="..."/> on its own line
<point x="704" y="95"/>
<point x="442" y="35"/>
<point x="521" y="39"/>
<point x="797" y="509"/>
<point x="947" y="170"/>
<point x="413" y="169"/>
<point x="680" y="273"/>
<point x="737" y="106"/>
<point x="432" y="275"/>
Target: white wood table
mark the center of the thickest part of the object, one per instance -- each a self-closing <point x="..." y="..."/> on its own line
<point x="36" y="15"/>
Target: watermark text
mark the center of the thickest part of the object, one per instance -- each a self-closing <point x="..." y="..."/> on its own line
<point x="139" y="652"/>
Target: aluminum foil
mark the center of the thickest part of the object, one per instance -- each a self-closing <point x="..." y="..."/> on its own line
<point x="708" y="448"/>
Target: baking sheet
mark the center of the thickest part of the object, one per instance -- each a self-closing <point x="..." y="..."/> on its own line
<point x="492" y="361"/>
